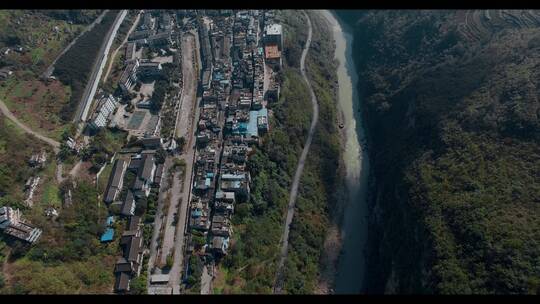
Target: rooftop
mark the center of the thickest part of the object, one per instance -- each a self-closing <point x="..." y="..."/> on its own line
<point x="273" y="29"/>
<point x="272" y="52"/>
<point x="108" y="235"/>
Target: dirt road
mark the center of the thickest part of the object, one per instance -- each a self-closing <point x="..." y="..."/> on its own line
<point x="55" y="144"/>
<point x="300" y="167"/>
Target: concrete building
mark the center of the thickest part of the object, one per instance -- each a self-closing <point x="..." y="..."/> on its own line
<point x="129" y="77"/>
<point x="145" y="175"/>
<point x="220" y="244"/>
<point x="149" y="69"/>
<point x="161" y="39"/>
<point x="272" y="55"/>
<point x="273" y="35"/>
<point x="116" y="180"/>
<point x="106" y="107"/>
<point x="138" y="35"/>
<point x="131" y="48"/>
<point x="128" y="207"/>
<point x="130" y="263"/>
<point x="13" y="225"/>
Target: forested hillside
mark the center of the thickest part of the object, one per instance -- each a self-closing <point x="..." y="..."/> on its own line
<point x="453" y="115"/>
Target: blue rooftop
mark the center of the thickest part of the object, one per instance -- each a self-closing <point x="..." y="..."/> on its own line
<point x="252" y="126"/>
<point x="110" y="220"/>
<point x="207" y="182"/>
<point x="108" y="235"/>
<point x="241" y="128"/>
<point x="196" y="213"/>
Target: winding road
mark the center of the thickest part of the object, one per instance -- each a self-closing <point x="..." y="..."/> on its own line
<point x="55" y="144"/>
<point x="300" y="168"/>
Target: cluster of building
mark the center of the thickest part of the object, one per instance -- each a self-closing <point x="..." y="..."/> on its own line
<point x="154" y="31"/>
<point x="12" y="224"/>
<point x="5" y="72"/>
<point x="125" y="192"/>
<point x="37" y="160"/>
<point x="106" y="107"/>
<point x="147" y="174"/>
<point x="137" y="69"/>
<point x="130" y="264"/>
<point x="232" y="119"/>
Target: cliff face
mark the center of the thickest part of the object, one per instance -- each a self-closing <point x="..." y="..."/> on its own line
<point x="452" y="108"/>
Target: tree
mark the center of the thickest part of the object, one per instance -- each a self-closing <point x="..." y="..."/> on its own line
<point x="169" y="262"/>
<point x="160" y="155"/>
<point x="138" y="285"/>
<point x="181" y="142"/>
<point x="65" y="151"/>
<point x="198" y="241"/>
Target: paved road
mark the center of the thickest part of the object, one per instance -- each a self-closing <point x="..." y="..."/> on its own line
<point x="189" y="104"/>
<point x="301" y="162"/>
<point x="133" y="26"/>
<point x="189" y="86"/>
<point x="206" y="280"/>
<point x="55" y="144"/>
<point x="158" y="219"/>
<point x="180" y="189"/>
<point x="91" y="86"/>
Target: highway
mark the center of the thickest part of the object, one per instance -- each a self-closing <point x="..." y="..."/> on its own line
<point x="91" y="86"/>
<point x="300" y="167"/>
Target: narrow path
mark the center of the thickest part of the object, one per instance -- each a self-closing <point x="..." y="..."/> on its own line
<point x="300" y="167"/>
<point x="133" y="26"/>
<point x="55" y="144"/>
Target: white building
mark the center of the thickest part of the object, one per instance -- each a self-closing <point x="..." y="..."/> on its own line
<point x="129" y="76"/>
<point x="12" y="224"/>
<point x="273" y="35"/>
<point x="101" y="117"/>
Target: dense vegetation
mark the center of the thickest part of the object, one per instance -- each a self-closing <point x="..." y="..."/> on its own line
<point x="252" y="262"/>
<point x="16" y="149"/>
<point x="75" y="66"/>
<point x="75" y="16"/>
<point x="69" y="257"/>
<point x="103" y="145"/>
<point x="317" y="191"/>
<point x="454" y="139"/>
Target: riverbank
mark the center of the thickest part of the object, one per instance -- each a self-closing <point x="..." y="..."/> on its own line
<point x="349" y="236"/>
<point x="333" y="240"/>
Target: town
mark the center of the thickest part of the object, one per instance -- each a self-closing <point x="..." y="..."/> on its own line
<point x="192" y="97"/>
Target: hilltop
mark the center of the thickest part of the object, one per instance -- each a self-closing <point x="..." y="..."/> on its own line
<point x="452" y="109"/>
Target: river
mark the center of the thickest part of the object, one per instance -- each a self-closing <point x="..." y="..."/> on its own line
<point x="350" y="274"/>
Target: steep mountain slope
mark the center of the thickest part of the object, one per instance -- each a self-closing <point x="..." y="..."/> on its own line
<point x="452" y="108"/>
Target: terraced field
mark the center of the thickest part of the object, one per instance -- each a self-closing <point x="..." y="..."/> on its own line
<point x="480" y="25"/>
